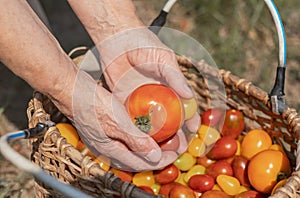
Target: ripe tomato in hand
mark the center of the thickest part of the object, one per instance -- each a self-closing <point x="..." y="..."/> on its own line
<point x="234" y="123"/>
<point x="265" y="167"/>
<point x="156" y="109"/>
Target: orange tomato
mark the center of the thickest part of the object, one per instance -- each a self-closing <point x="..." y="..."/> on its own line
<point x="123" y="175"/>
<point x="69" y="132"/>
<point x="143" y="179"/>
<point x="156" y="109"/>
<point x="255" y="141"/>
<point x="264" y="168"/>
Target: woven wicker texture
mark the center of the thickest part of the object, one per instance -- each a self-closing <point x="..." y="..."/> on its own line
<point x="64" y="162"/>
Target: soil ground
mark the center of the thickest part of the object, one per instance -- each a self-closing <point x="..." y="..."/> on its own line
<point x="244" y="45"/>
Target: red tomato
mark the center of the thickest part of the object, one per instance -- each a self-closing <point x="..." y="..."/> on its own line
<point x="181" y="191"/>
<point x="234" y="123"/>
<point x="218" y="168"/>
<point x="212" y="117"/>
<point x="265" y="167"/>
<point x="167" y="174"/>
<point x="171" y="144"/>
<point x="225" y="147"/>
<point x="201" y="183"/>
<point x="156" y="109"/>
<point x="147" y="189"/>
<point x="214" y="194"/>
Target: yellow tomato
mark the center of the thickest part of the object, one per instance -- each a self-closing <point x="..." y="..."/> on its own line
<point x="145" y="178"/>
<point x="209" y="135"/>
<point x="230" y="185"/>
<point x="195" y="170"/>
<point x="180" y="178"/>
<point x="69" y="132"/>
<point x="190" y="107"/>
<point x="196" y="147"/>
<point x="185" y="161"/>
<point x="103" y="161"/>
<point x="254" y="142"/>
<point x="155" y="187"/>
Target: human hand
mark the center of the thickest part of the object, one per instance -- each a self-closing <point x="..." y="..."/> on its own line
<point x="136" y="57"/>
<point x="105" y="128"/>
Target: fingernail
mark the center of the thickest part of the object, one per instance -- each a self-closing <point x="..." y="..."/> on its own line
<point x="153" y="155"/>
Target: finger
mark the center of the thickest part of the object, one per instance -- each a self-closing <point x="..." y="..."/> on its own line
<point x="193" y="123"/>
<point x="183" y="140"/>
<point x="177" y="81"/>
<point x="124" y="159"/>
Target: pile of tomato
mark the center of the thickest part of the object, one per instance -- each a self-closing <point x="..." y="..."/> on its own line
<point x="222" y="159"/>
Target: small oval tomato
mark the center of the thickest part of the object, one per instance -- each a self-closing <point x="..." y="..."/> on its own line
<point x="181" y="191"/>
<point x="196" y="147"/>
<point x="201" y="183"/>
<point x="209" y="135"/>
<point x="195" y="170"/>
<point x="265" y="167"/>
<point x="185" y="161"/>
<point x="143" y="178"/>
<point x="205" y="161"/>
<point x="171" y="144"/>
<point x="220" y="167"/>
<point x="190" y="107"/>
<point x="225" y="147"/>
<point x="234" y="123"/>
<point x="167" y="174"/>
<point x="69" y="132"/>
<point x="213" y="117"/>
<point x="214" y="194"/>
<point x="255" y="141"/>
<point x="156" y="109"/>
<point x="230" y="185"/>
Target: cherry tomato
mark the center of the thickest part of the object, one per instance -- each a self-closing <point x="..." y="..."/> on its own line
<point x="214" y="194"/>
<point x="155" y="187"/>
<point x="208" y="134"/>
<point x="181" y="191"/>
<point x="230" y="185"/>
<point x="205" y="161"/>
<point x="69" y="132"/>
<point x="196" y="147"/>
<point x="180" y="178"/>
<point x="265" y="167"/>
<point x="201" y="183"/>
<point x="220" y="167"/>
<point x="171" y="144"/>
<point x="234" y="123"/>
<point x="255" y="141"/>
<point x="103" y="161"/>
<point x="185" y="161"/>
<point x="143" y="178"/>
<point x="146" y="189"/>
<point x="213" y="117"/>
<point x="240" y="170"/>
<point x="225" y="147"/>
<point x="167" y="174"/>
<point x="195" y="170"/>
<point x="123" y="175"/>
<point x="190" y="107"/>
<point x="156" y="109"/>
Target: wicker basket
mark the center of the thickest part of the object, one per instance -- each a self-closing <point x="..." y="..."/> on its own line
<point x="64" y="162"/>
